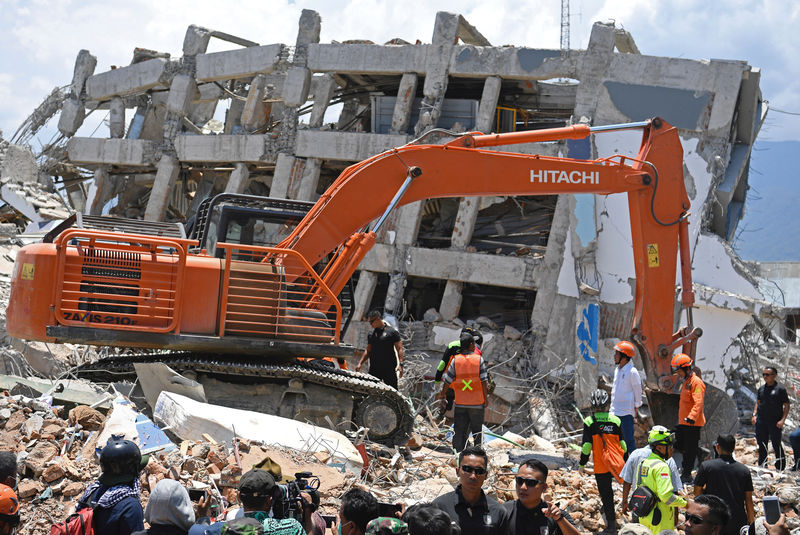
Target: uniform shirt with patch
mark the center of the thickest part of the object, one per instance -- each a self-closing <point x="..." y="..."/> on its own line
<point x="524" y="521"/>
<point x="382" y="356"/>
<point x="730" y="480"/>
<point x="770" y="402"/>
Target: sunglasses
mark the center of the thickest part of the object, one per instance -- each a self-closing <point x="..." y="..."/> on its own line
<point x="529" y="482"/>
<point x="477" y="470"/>
<point x="697" y="520"/>
<point x="767" y="374"/>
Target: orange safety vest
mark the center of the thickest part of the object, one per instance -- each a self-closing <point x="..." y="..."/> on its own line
<point x="467" y="384"/>
<point x="693" y="394"/>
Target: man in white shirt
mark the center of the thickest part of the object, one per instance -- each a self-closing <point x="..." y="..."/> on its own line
<point x="626" y="394"/>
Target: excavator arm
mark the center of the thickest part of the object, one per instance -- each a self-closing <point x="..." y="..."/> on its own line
<point x="653" y="181"/>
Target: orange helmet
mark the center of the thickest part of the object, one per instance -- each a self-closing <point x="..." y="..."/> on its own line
<point x="626" y="348"/>
<point x="9" y="506"/>
<point x="681" y="360"/>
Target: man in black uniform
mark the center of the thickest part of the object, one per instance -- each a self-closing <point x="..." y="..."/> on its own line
<point x="468" y="506"/>
<point x="731" y="481"/>
<point x="529" y="514"/>
<point x="769" y="416"/>
<point x="382" y="344"/>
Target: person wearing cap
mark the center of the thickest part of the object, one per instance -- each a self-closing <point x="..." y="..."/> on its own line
<point x="769" y="417"/>
<point x="358" y="508"/>
<point x="730" y="480"/>
<point x="469" y="379"/>
<point x="9" y="510"/>
<point x="654" y="474"/>
<point x="115" y="495"/>
<point x="628" y="473"/>
<point x="529" y="514"/>
<point x="384" y="350"/>
<point x="691" y="418"/>
<point x="603" y="440"/>
<point x="626" y="392"/>
<point x="169" y="510"/>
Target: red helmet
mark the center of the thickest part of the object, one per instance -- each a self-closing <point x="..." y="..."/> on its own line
<point x="9" y="506"/>
<point x="626" y="348"/>
<point x="681" y="360"/>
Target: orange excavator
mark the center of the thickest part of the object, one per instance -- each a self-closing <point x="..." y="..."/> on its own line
<point x="260" y="285"/>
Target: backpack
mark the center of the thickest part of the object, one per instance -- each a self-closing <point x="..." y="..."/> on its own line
<point x="242" y="526"/>
<point x="614" y="459"/>
<point x="642" y="501"/>
<point x="78" y="523"/>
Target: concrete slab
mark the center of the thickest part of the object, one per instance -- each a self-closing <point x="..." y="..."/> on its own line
<point x="367" y="59"/>
<point x="240" y="63"/>
<point x="87" y="150"/>
<point x="222" y="148"/>
<point x="512" y="63"/>
<point x="190" y="419"/>
<point x="347" y="146"/>
<point x="510" y="272"/>
<point x="128" y="80"/>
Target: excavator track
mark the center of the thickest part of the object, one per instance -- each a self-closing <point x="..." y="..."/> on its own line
<point x="377" y="406"/>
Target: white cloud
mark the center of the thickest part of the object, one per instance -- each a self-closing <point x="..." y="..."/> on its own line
<point x="40" y="39"/>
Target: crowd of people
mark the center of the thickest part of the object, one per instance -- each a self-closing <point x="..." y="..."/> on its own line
<point x="718" y="499"/>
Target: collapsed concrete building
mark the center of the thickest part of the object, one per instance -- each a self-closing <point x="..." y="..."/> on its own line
<point x="547" y="268"/>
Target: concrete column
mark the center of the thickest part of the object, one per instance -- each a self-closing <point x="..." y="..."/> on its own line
<point x="237" y="183"/>
<point x="254" y="114"/>
<point x="469" y="206"/>
<point x="349" y="111"/>
<point x="324" y="87"/>
<point x="116" y="118"/>
<point x="365" y="288"/>
<point x="283" y="175"/>
<point x="404" y="103"/>
<point x="100" y="186"/>
<point x="307" y="190"/>
<point x="233" y="117"/>
<point x="167" y="172"/>
<point x="394" y="292"/>
<point x="437" y="63"/>
<point x="76" y="197"/>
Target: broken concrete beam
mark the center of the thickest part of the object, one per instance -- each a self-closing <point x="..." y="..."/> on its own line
<point x="72" y="116"/>
<point x="135" y="78"/>
<point x="403" y="105"/>
<point x="222" y="148"/>
<point x="510" y="63"/>
<point x="323" y="88"/>
<point x="237" y="183"/>
<point x="240" y="63"/>
<point x="285" y="169"/>
<point x="85" y="64"/>
<point x="196" y="40"/>
<point x="182" y="91"/>
<point x="254" y="114"/>
<point x="86" y="150"/>
<point x="352" y="146"/>
<point x="367" y="59"/>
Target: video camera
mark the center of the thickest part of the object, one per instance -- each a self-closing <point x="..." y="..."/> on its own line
<point x="288" y="503"/>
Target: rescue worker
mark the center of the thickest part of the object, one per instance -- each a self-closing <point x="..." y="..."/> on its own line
<point x="654" y="474"/>
<point x="626" y="394"/>
<point x="453" y="349"/>
<point x="467" y="374"/>
<point x="9" y="510"/>
<point x="602" y="437"/>
<point x="384" y="351"/>
<point x="690" y="413"/>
